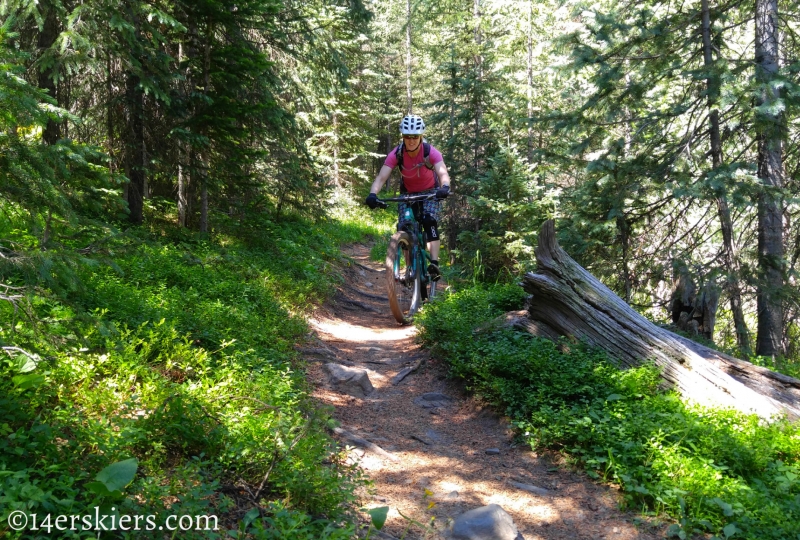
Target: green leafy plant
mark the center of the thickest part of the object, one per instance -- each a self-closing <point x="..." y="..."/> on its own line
<point x="377" y="517"/>
<point x="716" y="472"/>
<point x="173" y="372"/>
<point x="110" y="482"/>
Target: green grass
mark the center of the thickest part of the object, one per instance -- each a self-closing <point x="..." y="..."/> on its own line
<point x="715" y="472"/>
<point x="378" y="250"/>
<point x="178" y="352"/>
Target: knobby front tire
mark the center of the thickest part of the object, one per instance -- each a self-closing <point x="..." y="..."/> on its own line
<point x="404" y="292"/>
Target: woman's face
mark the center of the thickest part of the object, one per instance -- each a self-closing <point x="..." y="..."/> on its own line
<point x="412" y="142"/>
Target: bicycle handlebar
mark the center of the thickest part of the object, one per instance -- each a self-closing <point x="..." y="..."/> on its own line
<point x="407" y="199"/>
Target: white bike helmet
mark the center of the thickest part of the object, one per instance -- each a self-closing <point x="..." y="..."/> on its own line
<point x="412" y="125"/>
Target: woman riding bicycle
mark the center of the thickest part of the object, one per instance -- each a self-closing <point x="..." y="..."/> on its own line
<point x="422" y="170"/>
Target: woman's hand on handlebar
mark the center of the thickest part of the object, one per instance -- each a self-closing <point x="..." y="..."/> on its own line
<point x="373" y="202"/>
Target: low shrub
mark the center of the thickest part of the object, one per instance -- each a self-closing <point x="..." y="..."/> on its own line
<point x="178" y="357"/>
<point x="714" y="471"/>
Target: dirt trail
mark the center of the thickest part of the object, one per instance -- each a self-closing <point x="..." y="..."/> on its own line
<point x="442" y="450"/>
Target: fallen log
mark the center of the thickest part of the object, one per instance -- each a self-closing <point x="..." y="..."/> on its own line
<point x="567" y="300"/>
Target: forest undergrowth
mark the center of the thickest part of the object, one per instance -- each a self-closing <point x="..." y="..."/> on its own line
<point x="716" y="473"/>
<point x="160" y="380"/>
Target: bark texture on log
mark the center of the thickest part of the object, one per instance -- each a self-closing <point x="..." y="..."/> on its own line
<point x="570" y="301"/>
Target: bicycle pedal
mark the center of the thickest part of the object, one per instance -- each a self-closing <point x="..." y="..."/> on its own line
<point x="433" y="272"/>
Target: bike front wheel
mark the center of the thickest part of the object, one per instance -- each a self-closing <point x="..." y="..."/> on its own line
<point x="402" y="278"/>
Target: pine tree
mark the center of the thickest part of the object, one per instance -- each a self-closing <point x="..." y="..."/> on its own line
<point x="769" y="128"/>
<point x="659" y="93"/>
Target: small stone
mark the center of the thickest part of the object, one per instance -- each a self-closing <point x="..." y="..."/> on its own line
<point x="450" y="497"/>
<point x="431" y="400"/>
<point x="369" y="284"/>
<point x="354" y="382"/>
<point x="423" y="440"/>
<point x="402" y="374"/>
<point x="485" y="523"/>
<point x="492" y="451"/>
<point x="433" y="435"/>
<point x="530" y="488"/>
<point x="435" y="396"/>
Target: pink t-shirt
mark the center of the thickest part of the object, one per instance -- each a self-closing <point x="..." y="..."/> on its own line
<point x="416" y="176"/>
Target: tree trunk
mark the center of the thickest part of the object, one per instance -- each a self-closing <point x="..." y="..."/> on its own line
<point x="624" y="239"/>
<point x="204" y="204"/>
<point x="452" y="112"/>
<point x="182" y="176"/>
<point x="770" y="171"/>
<point x="135" y="148"/>
<point x="567" y="300"/>
<point x="205" y="160"/>
<point x="182" y="181"/>
<point x="723" y="211"/>
<point x="47" y="76"/>
<point x="336" y="180"/>
<point x="134" y="151"/>
<point x="408" y="57"/>
<point x="530" y="81"/>
<point x="110" y="115"/>
<point x="479" y="73"/>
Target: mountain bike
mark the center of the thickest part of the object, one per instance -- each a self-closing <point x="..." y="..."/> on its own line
<point x="407" y="280"/>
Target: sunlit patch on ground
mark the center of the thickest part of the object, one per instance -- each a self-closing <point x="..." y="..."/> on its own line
<point x="345" y="331"/>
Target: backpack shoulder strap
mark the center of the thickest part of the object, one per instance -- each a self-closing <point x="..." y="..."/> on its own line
<point x="427" y="159"/>
<point x="399" y="155"/>
<point x="426" y="155"/>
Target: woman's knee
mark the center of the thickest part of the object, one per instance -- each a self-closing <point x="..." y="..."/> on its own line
<point x="431" y="227"/>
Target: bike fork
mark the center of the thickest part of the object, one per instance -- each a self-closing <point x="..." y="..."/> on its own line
<point x="411" y="269"/>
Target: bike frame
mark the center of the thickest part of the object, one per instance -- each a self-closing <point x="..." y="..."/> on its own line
<point x="419" y="253"/>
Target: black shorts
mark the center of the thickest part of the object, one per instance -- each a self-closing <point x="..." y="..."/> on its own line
<point x="426" y="212"/>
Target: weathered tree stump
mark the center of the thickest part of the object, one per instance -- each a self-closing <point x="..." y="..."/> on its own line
<point x="695" y="313"/>
<point x="567" y="300"/>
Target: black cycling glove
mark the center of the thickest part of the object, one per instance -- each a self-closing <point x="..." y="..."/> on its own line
<point x="443" y="192"/>
<point x="372" y="201"/>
